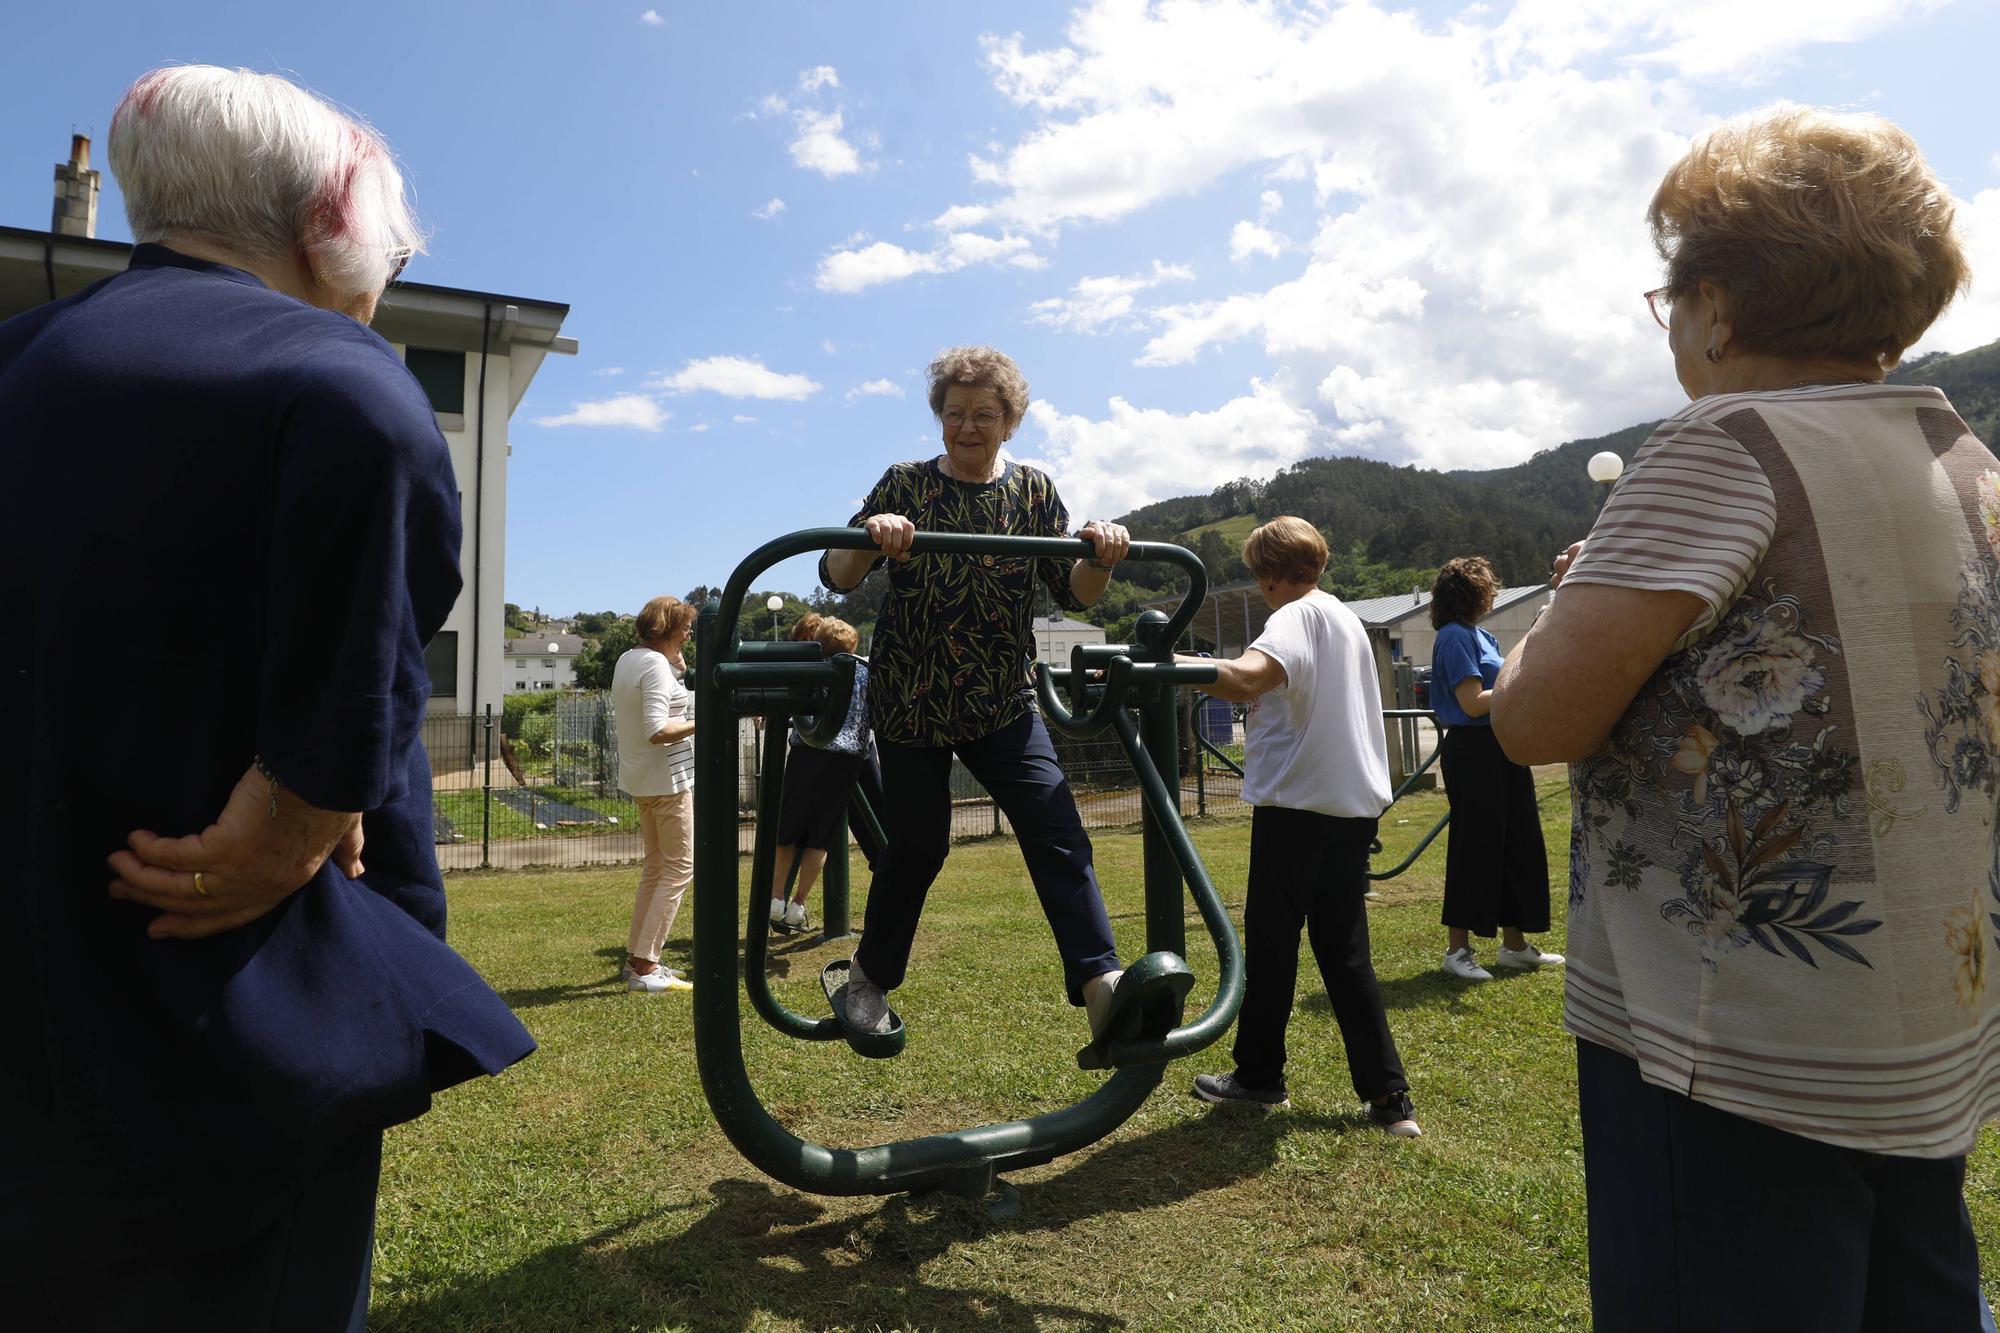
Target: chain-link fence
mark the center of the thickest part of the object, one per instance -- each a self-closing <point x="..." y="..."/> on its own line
<point x="548" y="794"/>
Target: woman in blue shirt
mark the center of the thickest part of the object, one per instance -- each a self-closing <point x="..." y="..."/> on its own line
<point x="1496" y="867"/>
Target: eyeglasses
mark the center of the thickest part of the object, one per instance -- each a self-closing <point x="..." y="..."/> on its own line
<point x="399" y="259"/>
<point x="1655" y="299"/>
<point x="983" y="422"/>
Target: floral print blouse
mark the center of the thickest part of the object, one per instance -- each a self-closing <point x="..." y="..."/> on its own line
<point x="955" y="641"/>
<point x="1783" y="879"/>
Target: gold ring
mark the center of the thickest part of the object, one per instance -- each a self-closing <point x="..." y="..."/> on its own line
<point x="200" y="887"/>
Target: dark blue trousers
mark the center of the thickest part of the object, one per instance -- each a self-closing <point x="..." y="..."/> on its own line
<point x="1310" y="871"/>
<point x="144" y="1261"/>
<point x="1703" y="1220"/>
<point x="1017" y="765"/>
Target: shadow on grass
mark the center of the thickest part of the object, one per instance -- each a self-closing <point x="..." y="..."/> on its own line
<point x="677" y="953"/>
<point x="765" y="1252"/>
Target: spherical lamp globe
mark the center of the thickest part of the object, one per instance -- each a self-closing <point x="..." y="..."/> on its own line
<point x="1606" y="467"/>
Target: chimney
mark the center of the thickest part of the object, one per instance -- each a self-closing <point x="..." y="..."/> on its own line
<point x="76" y="192"/>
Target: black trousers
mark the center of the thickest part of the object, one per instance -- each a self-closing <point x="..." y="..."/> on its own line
<point x="1309" y="869"/>
<point x="1703" y="1220"/>
<point x="1017" y="765"/>
<point x="301" y="1263"/>
<point x="1496" y="866"/>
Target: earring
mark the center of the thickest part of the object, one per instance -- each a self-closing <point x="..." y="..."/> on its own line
<point x="1714" y="354"/>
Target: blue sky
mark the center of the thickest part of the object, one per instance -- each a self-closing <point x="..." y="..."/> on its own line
<point x="1219" y="235"/>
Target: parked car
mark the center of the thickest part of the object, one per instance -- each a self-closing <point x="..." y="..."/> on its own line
<point x="1420" y="686"/>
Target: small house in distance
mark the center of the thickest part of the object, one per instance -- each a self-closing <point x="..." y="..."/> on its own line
<point x="1405" y="620"/>
<point x="541" y="661"/>
<point x="1055" y="635"/>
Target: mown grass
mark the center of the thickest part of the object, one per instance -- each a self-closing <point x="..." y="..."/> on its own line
<point x="589" y="1189"/>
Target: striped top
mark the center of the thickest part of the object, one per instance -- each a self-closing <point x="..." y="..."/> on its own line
<point x="1783" y="862"/>
<point x="646" y="694"/>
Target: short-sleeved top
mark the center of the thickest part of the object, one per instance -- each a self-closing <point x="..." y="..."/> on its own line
<point x="262" y="486"/>
<point x="955" y="640"/>
<point x="646" y="695"/>
<point x="1462" y="653"/>
<point x="1782" y="866"/>
<point x="1317" y="741"/>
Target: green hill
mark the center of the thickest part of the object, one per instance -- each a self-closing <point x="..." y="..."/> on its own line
<point x="1389" y="524"/>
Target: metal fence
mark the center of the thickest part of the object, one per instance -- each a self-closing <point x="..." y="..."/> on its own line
<point x="550" y="796"/>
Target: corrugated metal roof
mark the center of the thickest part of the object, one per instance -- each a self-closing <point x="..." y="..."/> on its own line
<point x="1382" y="612"/>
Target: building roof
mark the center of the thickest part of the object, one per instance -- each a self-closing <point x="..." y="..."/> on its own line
<point x="1384" y="612"/>
<point x="39" y="266"/>
<point x="1050" y="624"/>
<point x="543" y="645"/>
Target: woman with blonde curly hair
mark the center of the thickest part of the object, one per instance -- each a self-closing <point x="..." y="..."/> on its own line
<point x="1774" y="665"/>
<point x="949" y="668"/>
<point x="1496" y="865"/>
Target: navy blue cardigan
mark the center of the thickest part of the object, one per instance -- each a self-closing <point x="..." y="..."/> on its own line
<point x="233" y="529"/>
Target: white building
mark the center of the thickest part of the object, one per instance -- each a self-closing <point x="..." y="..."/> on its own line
<point x="1055" y="635"/>
<point x="1405" y="620"/>
<point x="542" y="661"/>
<point x="475" y="353"/>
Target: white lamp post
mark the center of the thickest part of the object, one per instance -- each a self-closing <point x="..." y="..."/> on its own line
<point x="774" y="604"/>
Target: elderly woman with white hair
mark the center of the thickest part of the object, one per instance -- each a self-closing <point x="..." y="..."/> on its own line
<point x="206" y="1055"/>
<point x="949" y="675"/>
<point x="1774" y="665"/>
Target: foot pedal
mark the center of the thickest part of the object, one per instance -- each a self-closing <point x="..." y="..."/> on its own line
<point x="1146" y="1006"/>
<point x="873" y="1045"/>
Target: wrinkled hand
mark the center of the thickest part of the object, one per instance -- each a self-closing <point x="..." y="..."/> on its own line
<point x="249" y="859"/>
<point x="1562" y="564"/>
<point x="1112" y="541"/>
<point x="893" y="533"/>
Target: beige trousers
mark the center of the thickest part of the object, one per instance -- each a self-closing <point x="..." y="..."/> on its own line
<point x="666" y="830"/>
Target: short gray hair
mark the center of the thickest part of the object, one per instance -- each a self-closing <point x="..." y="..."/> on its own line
<point x="257" y="164"/>
<point x="986" y="367"/>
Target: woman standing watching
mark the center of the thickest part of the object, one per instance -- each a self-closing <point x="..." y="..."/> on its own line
<point x="656" y="768"/>
<point x="949" y="675"/>
<point x="1496" y="865"/>
<point x="1775" y="669"/>
<point x="204" y="1058"/>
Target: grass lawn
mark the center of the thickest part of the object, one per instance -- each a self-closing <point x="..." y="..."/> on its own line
<point x="589" y="1189"/>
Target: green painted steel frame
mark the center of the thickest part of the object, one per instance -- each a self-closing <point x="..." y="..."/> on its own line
<point x="965" y="1161"/>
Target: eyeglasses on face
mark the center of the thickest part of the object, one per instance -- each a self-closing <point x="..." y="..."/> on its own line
<point x="1660" y="300"/>
<point x="399" y="259"/>
<point x="983" y="422"/>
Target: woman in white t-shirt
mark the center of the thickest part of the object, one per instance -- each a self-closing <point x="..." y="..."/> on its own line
<point x="1315" y="766"/>
<point x="654" y="712"/>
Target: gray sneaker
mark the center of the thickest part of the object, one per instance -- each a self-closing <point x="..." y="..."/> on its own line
<point x="1223" y="1089"/>
<point x="867" y="1003"/>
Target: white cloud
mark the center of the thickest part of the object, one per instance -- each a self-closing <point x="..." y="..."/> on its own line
<point x="1974" y="319"/>
<point x="769" y="209"/>
<point x="875" y="389"/>
<point x="1269" y="205"/>
<point x="1099" y="305"/>
<point x="651" y="18"/>
<point x="699" y="428"/>
<point x="819" y="141"/>
<point x="1248" y="238"/>
<point x="819" y="146"/>
<point x="860" y="267"/>
<point x="1136" y="455"/>
<point x="608" y="371"/>
<point x="634" y="410"/>
<point x="737" y="377"/>
<point x="742" y="420"/>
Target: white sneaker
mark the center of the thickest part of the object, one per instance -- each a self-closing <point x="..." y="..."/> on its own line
<point x="1460" y="963"/>
<point x="795" y="916"/>
<point x="657" y="981"/>
<point x="777" y="910"/>
<point x="1530" y="957"/>
<point x="625" y="972"/>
